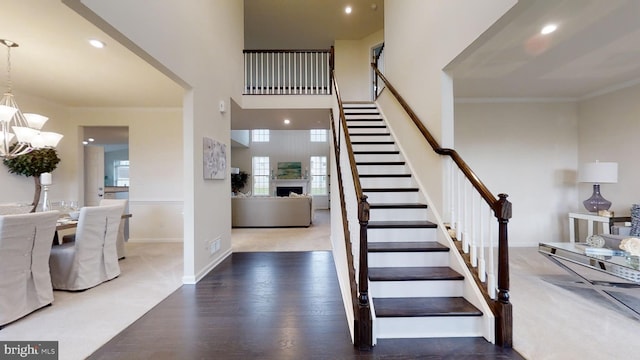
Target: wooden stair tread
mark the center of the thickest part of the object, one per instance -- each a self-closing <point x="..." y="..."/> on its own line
<point x="370" y="134"/>
<point x="347" y="113"/>
<point x="384" y="175"/>
<point x="372" y="143"/>
<point x="398" y="206"/>
<point x="364" y="152"/>
<point x="401" y="224"/>
<point x="366" y="126"/>
<point x="380" y="162"/>
<point x="424" y="306"/>
<point x="413" y="273"/>
<point x="407" y="246"/>
<point x="366" y="119"/>
<point x="391" y="190"/>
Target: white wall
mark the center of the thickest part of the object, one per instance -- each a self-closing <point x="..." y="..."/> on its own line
<point x="284" y="145"/>
<point x="609" y="130"/>
<point x="199" y="44"/>
<point x="353" y="66"/>
<point x="528" y="151"/>
<point x="421" y="38"/>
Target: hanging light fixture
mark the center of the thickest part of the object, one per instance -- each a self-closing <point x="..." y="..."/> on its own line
<point x="20" y="133"/>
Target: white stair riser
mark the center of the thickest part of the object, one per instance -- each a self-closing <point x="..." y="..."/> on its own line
<point x="440" y="288"/>
<point x="382" y="169"/>
<point x="349" y="112"/>
<point x="378" y="157"/>
<point x="365" y="121"/>
<point x="374" y="147"/>
<point x="422" y="327"/>
<point x="369" y="116"/>
<point x="408" y="259"/>
<point x="393" y="197"/>
<point x="397" y="214"/>
<point x="368" y="130"/>
<point x="385" y="182"/>
<point x="371" y="138"/>
<point x="399" y="235"/>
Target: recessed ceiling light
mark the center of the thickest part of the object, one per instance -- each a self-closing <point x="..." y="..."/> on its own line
<point x="286" y="121"/>
<point x="85" y="142"/>
<point x="548" y="29"/>
<point x="347" y="10"/>
<point x="91" y="139"/>
<point x="96" y="43"/>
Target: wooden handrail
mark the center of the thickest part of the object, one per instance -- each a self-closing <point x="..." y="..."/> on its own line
<point x="502" y="210"/>
<point x="473" y="178"/>
<point x="345" y="223"/>
<point x="364" y="327"/>
<point x="347" y="139"/>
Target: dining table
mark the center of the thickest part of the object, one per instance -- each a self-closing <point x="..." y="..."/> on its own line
<point x="67" y="223"/>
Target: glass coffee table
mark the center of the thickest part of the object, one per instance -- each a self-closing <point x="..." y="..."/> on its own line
<point x="618" y="275"/>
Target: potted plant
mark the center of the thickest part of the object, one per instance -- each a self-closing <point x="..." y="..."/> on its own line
<point x="33" y="164"/>
<point x="238" y="181"/>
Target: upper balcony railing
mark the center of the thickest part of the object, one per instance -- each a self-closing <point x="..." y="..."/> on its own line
<point x="287" y="72"/>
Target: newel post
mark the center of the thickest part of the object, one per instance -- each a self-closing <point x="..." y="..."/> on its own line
<point x="365" y="328"/>
<point x="504" y="320"/>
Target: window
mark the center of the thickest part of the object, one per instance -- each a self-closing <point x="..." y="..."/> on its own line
<point x="318" y="175"/>
<point x="260" y="135"/>
<point x="121" y="172"/>
<point x="318" y="135"/>
<point x="260" y="171"/>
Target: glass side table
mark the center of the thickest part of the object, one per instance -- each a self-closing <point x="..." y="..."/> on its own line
<point x="623" y="272"/>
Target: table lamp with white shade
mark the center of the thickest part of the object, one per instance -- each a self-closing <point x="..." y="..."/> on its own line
<point x="598" y="173"/>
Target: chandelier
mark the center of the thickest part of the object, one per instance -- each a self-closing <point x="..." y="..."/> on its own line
<point x="20" y="133"/>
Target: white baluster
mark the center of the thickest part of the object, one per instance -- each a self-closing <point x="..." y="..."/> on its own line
<point x="491" y="267"/>
<point x="474" y="228"/>
<point x="482" y="240"/>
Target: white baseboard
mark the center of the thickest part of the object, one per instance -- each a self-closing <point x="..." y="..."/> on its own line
<point x="191" y="280"/>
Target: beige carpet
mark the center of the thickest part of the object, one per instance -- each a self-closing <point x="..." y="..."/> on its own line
<point x="83" y="321"/>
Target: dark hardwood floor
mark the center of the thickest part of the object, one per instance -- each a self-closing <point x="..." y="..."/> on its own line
<point x="270" y="305"/>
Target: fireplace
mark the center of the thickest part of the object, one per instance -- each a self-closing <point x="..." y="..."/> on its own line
<point x="285" y="190"/>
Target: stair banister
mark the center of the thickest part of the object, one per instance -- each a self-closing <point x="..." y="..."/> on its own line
<point x="364" y="329"/>
<point x="502" y="211"/>
<point x="345" y="222"/>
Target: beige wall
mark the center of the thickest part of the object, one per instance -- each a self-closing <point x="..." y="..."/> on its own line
<point x="156" y="157"/>
<point x="529" y="151"/>
<point x="192" y="55"/>
<point x="421" y="38"/>
<point x="20" y="189"/>
<point x="352" y="65"/>
<point x="155" y="143"/>
<point x="609" y="130"/>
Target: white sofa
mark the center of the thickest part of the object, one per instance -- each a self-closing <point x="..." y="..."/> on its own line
<point x="271" y="211"/>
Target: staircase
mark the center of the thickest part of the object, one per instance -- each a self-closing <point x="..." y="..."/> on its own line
<point x="414" y="291"/>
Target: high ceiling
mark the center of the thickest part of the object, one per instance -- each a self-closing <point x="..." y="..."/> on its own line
<point x="308" y="24"/>
<point x="595" y="48"/>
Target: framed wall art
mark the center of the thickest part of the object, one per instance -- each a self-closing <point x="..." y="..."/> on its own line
<point x="214" y="158"/>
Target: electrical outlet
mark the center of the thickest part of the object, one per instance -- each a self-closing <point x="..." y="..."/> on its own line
<point x="214" y="246"/>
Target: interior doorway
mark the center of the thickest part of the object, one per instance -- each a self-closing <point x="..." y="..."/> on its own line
<point x="106" y="163"/>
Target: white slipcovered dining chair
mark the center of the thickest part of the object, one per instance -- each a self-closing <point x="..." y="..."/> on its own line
<point x="120" y="240"/>
<point x="92" y="258"/>
<point x="25" y="244"/>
